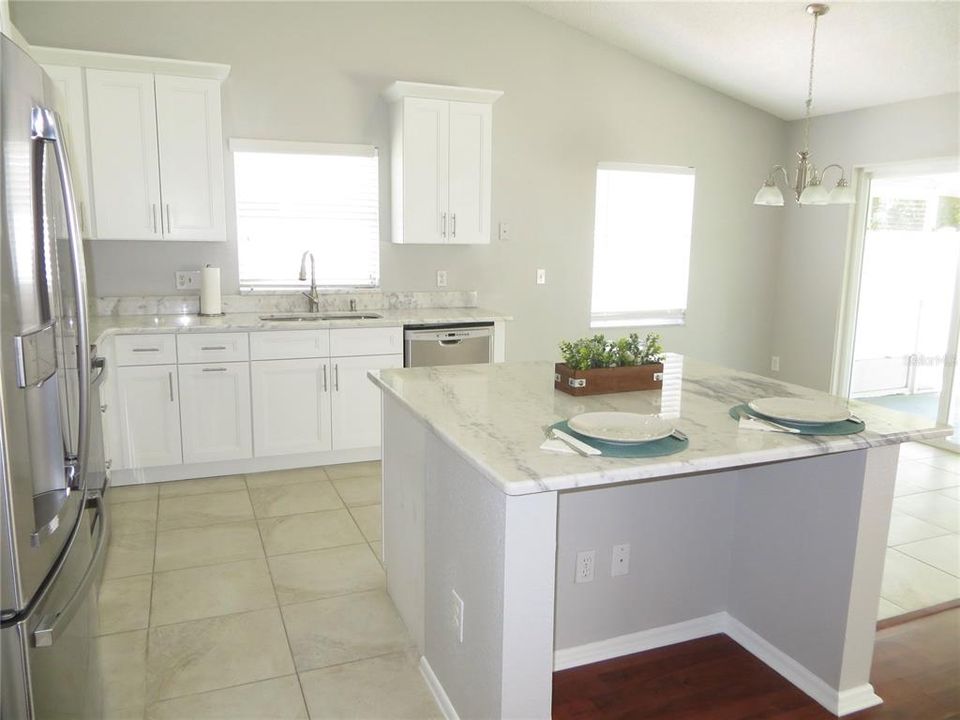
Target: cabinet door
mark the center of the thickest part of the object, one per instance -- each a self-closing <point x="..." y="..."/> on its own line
<point x="425" y="130"/>
<point x="291" y="406"/>
<point x="470" y="166"/>
<point x="215" y="402"/>
<point x="68" y="85"/>
<point x="191" y="158"/>
<point x="149" y="415"/>
<point x="124" y="164"/>
<point x="356" y="400"/>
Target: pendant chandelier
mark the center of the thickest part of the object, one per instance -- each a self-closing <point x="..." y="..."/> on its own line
<point x="808" y="180"/>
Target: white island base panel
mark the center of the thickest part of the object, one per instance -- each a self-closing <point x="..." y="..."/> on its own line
<point x="786" y="558"/>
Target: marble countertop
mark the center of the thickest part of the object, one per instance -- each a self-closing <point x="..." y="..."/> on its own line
<point x="102" y="327"/>
<point x="494" y="416"/>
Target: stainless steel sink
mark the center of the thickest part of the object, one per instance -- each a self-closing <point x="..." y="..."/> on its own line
<point x="308" y="316"/>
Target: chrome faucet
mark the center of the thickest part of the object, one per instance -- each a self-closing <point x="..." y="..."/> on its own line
<point x="312" y="296"/>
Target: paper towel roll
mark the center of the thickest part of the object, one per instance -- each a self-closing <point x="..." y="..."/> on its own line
<point x="210" y="291"/>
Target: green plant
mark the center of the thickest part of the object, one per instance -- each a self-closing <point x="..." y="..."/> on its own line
<point x="598" y="352"/>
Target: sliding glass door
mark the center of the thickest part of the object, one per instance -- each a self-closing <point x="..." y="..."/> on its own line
<point x="907" y="292"/>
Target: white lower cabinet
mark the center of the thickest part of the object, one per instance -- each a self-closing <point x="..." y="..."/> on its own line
<point x="149" y="415"/>
<point x="355" y="402"/>
<point x="215" y="412"/>
<point x="291" y="406"/>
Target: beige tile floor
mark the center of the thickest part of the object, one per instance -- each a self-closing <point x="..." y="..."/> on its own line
<point x="923" y="549"/>
<point x="257" y="596"/>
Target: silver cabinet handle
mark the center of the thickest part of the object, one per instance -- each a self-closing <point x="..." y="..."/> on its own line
<point x="169" y="229"/>
<point x="453" y="222"/>
<point x="170" y="381"/>
<point x="220" y="369"/>
<point x="324" y="377"/>
<point x="146" y="349"/>
<point x="153" y="211"/>
<point x="213" y="347"/>
<point x="443" y="225"/>
<point x="336" y="377"/>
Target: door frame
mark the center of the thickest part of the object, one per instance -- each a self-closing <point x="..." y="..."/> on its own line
<point x="842" y="372"/>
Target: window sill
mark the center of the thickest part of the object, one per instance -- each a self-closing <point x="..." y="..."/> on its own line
<point x="636" y="322"/>
<point x="296" y="289"/>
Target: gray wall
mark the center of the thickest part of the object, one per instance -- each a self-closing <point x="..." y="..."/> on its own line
<point x="315" y="71"/>
<point x="813" y="252"/>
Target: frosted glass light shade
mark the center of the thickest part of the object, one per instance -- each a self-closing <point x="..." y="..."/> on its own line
<point x="768" y="195"/>
<point x="814" y="195"/>
<point x="842" y="194"/>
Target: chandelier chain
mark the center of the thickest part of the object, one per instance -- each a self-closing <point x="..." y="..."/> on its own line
<point x="809" y="103"/>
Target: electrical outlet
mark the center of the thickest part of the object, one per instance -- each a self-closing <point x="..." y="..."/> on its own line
<point x="188" y="279"/>
<point x="586" y="560"/>
<point x="457" y="607"/>
<point x="775" y="363"/>
<point x="541" y="276"/>
<point x="620" y="562"/>
<point x="441" y="278"/>
<point x="504" y="231"/>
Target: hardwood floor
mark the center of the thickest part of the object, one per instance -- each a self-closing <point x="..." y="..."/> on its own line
<point x="916" y="671"/>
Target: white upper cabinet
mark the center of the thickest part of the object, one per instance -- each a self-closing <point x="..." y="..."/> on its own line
<point x="156" y="155"/>
<point x="441" y="155"/>
<point x="191" y="158"/>
<point x="71" y="104"/>
<point x="124" y="160"/>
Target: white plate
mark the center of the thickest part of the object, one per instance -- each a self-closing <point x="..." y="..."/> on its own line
<point x="801" y="410"/>
<point x="621" y="427"/>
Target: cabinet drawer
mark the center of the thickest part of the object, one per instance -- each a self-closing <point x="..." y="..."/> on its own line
<point x="366" y="341"/>
<point x="213" y="347"/>
<point x="289" y="344"/>
<point x="146" y="349"/>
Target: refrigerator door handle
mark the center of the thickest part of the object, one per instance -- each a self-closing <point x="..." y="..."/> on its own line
<point x="50" y="626"/>
<point x="45" y="128"/>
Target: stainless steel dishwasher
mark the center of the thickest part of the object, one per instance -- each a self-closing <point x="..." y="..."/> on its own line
<point x="460" y="344"/>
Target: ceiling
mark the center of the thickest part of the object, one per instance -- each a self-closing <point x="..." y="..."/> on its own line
<point x="868" y="53"/>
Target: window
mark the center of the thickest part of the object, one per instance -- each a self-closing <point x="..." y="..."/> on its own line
<point x="641" y="245"/>
<point x="294" y="197"/>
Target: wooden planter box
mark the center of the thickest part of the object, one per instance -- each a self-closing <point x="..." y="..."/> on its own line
<point x="607" y="380"/>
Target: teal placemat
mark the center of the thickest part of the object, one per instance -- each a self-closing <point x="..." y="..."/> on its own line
<point x="844" y="427"/>
<point x="666" y="446"/>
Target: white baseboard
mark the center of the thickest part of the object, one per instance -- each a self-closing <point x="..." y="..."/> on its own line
<point x="166" y="473"/>
<point x="838" y="702"/>
<point x="436" y="689"/>
<point x="639" y="641"/>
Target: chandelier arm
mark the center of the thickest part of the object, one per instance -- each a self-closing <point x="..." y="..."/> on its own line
<point x="783" y="173"/>
<point x="843" y="175"/>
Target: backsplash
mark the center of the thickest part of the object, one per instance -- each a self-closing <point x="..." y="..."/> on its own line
<point x="329" y="302"/>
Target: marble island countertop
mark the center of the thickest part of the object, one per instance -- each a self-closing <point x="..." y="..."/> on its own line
<point x="105" y="326"/>
<point x="494" y="416"/>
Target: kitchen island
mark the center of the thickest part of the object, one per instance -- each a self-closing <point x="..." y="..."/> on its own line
<point x="775" y="539"/>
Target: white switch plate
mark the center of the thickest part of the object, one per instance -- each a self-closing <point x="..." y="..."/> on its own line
<point x="504" y="231"/>
<point x="457" y="607"/>
<point x="586" y="560"/>
<point x="541" y="276"/>
<point x="188" y="279"/>
<point x="775" y="363"/>
<point x="441" y="278"/>
<point x="620" y="562"/>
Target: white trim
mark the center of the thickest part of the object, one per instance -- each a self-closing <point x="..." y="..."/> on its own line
<point x="839" y="702"/>
<point x="836" y="701"/>
<point x="436" y="689"/>
<point x="294" y="146"/>
<point x="403" y="89"/>
<point x="640" y="167"/>
<point x="129" y="63"/>
<point x="571" y="657"/>
<point x="165" y="473"/>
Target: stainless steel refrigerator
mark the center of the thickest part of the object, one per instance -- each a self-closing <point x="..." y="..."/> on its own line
<point x="53" y="521"/>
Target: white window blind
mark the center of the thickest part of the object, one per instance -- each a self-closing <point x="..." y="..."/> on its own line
<point x="294" y="197"/>
<point x="641" y="245"/>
